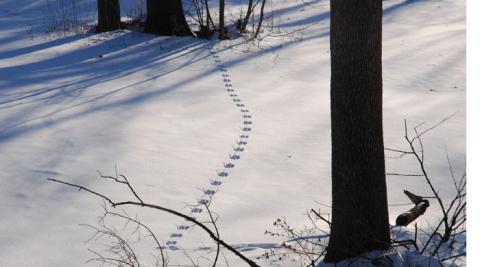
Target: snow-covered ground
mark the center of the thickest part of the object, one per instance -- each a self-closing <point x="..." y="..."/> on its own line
<point x="158" y="110"/>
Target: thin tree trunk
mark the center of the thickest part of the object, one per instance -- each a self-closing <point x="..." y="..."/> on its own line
<point x="166" y="17"/>
<point x="247" y="16"/>
<point x="359" y="196"/>
<point x="108" y="15"/>
<point x="221" y="20"/>
<point x="260" y="20"/>
<point x="209" y="17"/>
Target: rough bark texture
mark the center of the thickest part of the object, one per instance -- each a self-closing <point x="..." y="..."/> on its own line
<point x="108" y="15"/>
<point x="166" y="17"/>
<point x="359" y="197"/>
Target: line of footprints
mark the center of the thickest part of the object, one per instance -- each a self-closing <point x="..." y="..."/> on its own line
<point x="234" y="156"/>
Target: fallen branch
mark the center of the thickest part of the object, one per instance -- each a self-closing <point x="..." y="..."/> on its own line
<point x="142" y="204"/>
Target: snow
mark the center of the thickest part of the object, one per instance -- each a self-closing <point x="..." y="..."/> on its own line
<point x="473" y="42"/>
<point x="157" y="109"/>
<point x="407" y="258"/>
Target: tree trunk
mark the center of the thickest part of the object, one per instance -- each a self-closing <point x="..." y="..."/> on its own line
<point x="166" y="17"/>
<point x="221" y="20"/>
<point x="108" y="15"/>
<point x="260" y="20"/>
<point x="244" y="24"/>
<point x="359" y="196"/>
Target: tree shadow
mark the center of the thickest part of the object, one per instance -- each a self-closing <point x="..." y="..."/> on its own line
<point x="74" y="67"/>
<point x="38" y="47"/>
<point x="72" y="79"/>
<point x="308" y="20"/>
<point x="394" y="8"/>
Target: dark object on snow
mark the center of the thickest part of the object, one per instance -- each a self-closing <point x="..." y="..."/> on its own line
<point x="412" y="214"/>
<point x="359" y="193"/>
<point x="108" y="15"/>
<point x="166" y="18"/>
<point x="414" y="198"/>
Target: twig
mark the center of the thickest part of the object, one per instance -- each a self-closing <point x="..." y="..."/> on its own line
<point x="321" y="217"/>
<point x="145" y="227"/>
<point x="80" y="188"/>
<point x="403" y="174"/>
<point x="454" y="256"/>
<point x="218" y="235"/>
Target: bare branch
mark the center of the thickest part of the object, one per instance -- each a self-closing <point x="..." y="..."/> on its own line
<point x="218" y="235"/>
<point x="403" y="174"/>
<point x="154" y="237"/>
<point x="80" y="188"/>
<point x="454" y="256"/>
<point x="435" y="125"/>
<point x="167" y="210"/>
<point x="131" y="188"/>
<point x="321" y="217"/>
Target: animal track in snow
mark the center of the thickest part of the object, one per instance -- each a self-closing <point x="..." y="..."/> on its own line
<point x="209" y="192"/>
<point x="222" y="174"/>
<point x="229" y="165"/>
<point x="203" y="201"/>
<point x="216" y="182"/>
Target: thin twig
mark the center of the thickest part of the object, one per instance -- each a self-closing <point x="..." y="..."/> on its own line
<point x="80" y="188"/>
<point x="321" y="217"/>
<point x="217" y="232"/>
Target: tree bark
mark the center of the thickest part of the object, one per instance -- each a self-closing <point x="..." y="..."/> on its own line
<point x="221" y="20"/>
<point x="359" y="195"/>
<point x="166" y="17"/>
<point x="108" y="15"/>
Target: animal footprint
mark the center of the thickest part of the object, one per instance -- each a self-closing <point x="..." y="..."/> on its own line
<point x="203" y="201"/>
<point x="244" y="136"/>
<point x="216" y="182"/>
<point x="197" y="210"/>
<point x="247" y="116"/>
<point x="238" y="149"/>
<point x="223" y="174"/>
<point x="209" y="192"/>
<point x="183" y="227"/>
<point x="235" y="157"/>
<point x="247" y="122"/>
<point x="246" y="129"/>
<point x="171" y="243"/>
<point x="176" y="235"/>
<point x="241" y="143"/>
<point x="229" y="165"/>
<point x="240" y="105"/>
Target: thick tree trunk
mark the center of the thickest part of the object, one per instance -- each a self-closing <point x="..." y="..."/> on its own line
<point x="108" y="15"/>
<point x="359" y="196"/>
<point x="166" y="17"/>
